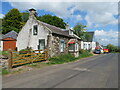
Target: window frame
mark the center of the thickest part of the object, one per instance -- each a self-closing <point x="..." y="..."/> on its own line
<point x="39" y="40"/>
<point x="34" y="29"/>
<point x="62" y="45"/>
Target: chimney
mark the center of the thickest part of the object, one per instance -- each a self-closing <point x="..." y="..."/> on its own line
<point x="32" y="12"/>
<point x="67" y="26"/>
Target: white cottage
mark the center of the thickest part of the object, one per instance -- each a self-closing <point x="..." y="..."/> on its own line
<point x="89" y="44"/>
<point x="39" y="35"/>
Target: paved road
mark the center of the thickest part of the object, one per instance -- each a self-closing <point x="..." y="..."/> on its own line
<point x="99" y="71"/>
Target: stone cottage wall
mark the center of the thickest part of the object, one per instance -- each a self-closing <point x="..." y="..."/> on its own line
<point x="54" y="44"/>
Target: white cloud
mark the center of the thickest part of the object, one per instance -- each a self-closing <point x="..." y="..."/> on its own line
<point x="1" y="15"/>
<point x="106" y="37"/>
<point x="98" y="14"/>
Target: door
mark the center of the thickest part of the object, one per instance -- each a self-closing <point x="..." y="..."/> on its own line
<point x="41" y="45"/>
<point x="9" y="45"/>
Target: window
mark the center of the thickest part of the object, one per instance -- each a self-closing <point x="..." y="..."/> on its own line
<point x="76" y="46"/>
<point x="41" y="45"/>
<point x="35" y="29"/>
<point x="70" y="32"/>
<point x="89" y="46"/>
<point x="62" y="46"/>
<point x="71" y="47"/>
<point x="84" y="46"/>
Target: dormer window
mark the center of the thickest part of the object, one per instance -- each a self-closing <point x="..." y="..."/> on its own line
<point x="35" y="29"/>
<point x="70" y="32"/>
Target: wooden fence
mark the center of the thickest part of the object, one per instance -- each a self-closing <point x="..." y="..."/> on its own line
<point x="24" y="57"/>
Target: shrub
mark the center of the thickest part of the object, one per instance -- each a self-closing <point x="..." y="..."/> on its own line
<point x="61" y="59"/>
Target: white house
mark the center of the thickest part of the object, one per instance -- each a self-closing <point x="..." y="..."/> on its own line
<point x="39" y="35"/>
<point x="89" y="44"/>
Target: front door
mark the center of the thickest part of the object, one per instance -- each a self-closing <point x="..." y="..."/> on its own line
<point x="41" y="45"/>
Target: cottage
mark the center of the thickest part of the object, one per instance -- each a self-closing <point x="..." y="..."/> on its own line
<point x="39" y="35"/>
<point x="89" y="44"/>
<point x="9" y="41"/>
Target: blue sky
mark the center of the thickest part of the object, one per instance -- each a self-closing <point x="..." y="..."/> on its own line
<point x="100" y="17"/>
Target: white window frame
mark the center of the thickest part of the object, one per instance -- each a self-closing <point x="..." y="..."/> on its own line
<point x="70" y="32"/>
<point x="76" y="46"/>
<point x="62" y="43"/>
<point x="33" y="29"/>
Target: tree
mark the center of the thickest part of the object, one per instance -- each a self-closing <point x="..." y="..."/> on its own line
<point x="80" y="31"/>
<point x="25" y="16"/>
<point x="112" y="48"/>
<point x="52" y="20"/>
<point x="12" y="21"/>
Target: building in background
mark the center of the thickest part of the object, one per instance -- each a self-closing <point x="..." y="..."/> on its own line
<point x="89" y="44"/>
<point x="9" y="41"/>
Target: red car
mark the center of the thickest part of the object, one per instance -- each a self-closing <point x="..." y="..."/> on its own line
<point x="105" y="50"/>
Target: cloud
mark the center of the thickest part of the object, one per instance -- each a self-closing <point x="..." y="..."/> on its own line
<point x="98" y="13"/>
<point x="106" y="37"/>
<point x="2" y="15"/>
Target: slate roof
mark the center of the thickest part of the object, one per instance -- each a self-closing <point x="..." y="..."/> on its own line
<point x="90" y="39"/>
<point x="56" y="30"/>
<point x="11" y="34"/>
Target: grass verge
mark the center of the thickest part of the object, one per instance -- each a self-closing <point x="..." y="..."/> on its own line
<point x="68" y="58"/>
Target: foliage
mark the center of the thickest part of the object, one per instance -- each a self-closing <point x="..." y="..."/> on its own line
<point x="25" y="16"/>
<point x="12" y="21"/>
<point x="68" y="58"/>
<point x="112" y="48"/>
<point x="4" y="72"/>
<point x="26" y="49"/>
<point x="61" y="59"/>
<point x="80" y="31"/>
<point x="5" y="53"/>
<point x="52" y="20"/>
<point x="84" y="54"/>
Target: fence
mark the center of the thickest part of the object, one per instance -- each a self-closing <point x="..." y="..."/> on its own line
<point x="24" y="57"/>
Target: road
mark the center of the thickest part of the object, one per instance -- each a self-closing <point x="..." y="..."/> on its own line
<point x="99" y="71"/>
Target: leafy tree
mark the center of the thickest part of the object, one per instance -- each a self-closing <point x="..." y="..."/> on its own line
<point x="52" y="20"/>
<point x="80" y="31"/>
<point x="12" y="21"/>
<point x="25" y="16"/>
<point x="112" y="48"/>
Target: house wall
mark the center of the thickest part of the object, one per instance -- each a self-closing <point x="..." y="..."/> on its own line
<point x="85" y="45"/>
<point x="27" y="39"/>
<point x="54" y="44"/>
<point x="42" y="34"/>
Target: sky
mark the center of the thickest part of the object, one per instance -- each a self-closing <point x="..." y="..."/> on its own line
<point x="100" y="17"/>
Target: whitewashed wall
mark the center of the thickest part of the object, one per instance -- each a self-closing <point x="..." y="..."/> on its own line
<point x="92" y="45"/>
<point x="42" y="34"/>
<point x="26" y="38"/>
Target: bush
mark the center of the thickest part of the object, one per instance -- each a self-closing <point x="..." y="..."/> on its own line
<point x="26" y="50"/>
<point x="82" y="51"/>
<point x="61" y="59"/>
<point x="68" y="57"/>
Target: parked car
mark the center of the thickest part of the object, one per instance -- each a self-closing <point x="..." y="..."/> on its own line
<point x="97" y="51"/>
<point x="106" y="50"/>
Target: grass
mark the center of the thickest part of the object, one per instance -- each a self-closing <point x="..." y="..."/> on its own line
<point x="5" y="71"/>
<point x="68" y="58"/>
<point x="5" y="53"/>
<point x="37" y="65"/>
